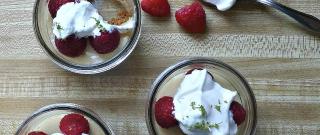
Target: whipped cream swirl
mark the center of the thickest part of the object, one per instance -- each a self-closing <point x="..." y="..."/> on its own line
<point x="83" y="20"/>
<point x="202" y="106"/>
<point x="222" y="5"/>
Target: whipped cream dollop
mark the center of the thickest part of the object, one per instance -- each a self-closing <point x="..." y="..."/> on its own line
<point x="83" y="20"/>
<point x="222" y="5"/>
<point x="202" y="106"/>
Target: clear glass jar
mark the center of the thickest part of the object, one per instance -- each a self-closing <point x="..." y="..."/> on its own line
<point x="47" y="119"/>
<point x="90" y="62"/>
<point x="224" y="74"/>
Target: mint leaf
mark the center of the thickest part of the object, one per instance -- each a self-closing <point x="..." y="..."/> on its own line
<point x="59" y="27"/>
<point x="193" y="104"/>
<point x="203" y="125"/>
<point x="98" y="24"/>
<point x="218" y="108"/>
<point x="203" y="111"/>
<point x="215" y="125"/>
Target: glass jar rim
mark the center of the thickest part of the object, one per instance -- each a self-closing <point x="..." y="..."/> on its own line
<point x="97" y="68"/>
<point x="184" y="63"/>
<point x="106" y="127"/>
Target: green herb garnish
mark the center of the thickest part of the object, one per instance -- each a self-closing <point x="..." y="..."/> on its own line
<point x="193" y="105"/>
<point x="100" y="27"/>
<point x="203" y="111"/>
<point x="218" y="108"/>
<point x="225" y="101"/>
<point x="59" y="27"/>
<point x="201" y="108"/>
<point x="215" y="125"/>
<point x="203" y="125"/>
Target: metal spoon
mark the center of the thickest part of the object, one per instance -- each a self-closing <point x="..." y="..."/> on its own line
<point x="307" y="20"/>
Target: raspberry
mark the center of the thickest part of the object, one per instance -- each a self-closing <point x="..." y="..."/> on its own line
<point x="163" y="112"/>
<point x="37" y="133"/>
<point x="71" y="46"/>
<point x="54" y="6"/>
<point x="74" y="124"/>
<point x="159" y="8"/>
<point x="106" y="42"/>
<point x="192" y="18"/>
<point x="239" y="113"/>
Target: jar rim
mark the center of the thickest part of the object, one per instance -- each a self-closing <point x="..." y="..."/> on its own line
<point x="105" y="126"/>
<point x="184" y="63"/>
<point x="96" y="68"/>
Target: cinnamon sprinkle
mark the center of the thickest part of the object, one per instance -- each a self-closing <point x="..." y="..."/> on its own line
<point x="122" y="16"/>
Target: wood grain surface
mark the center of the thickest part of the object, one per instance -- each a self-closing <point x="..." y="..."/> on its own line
<point x="279" y="58"/>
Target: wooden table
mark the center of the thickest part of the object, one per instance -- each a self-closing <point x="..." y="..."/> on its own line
<point x="280" y="59"/>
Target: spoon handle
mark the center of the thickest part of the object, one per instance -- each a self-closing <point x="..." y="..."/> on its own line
<point x="307" y="20"/>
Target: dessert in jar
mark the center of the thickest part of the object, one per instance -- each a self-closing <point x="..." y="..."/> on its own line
<point x="66" y="124"/>
<point x="82" y="35"/>
<point x="200" y="106"/>
<point x="64" y="119"/>
<point x="201" y="97"/>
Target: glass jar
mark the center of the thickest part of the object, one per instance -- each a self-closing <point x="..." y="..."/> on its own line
<point x="47" y="120"/>
<point x="90" y="62"/>
<point x="224" y="74"/>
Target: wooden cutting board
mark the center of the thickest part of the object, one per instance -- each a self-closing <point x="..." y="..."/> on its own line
<point x="279" y="58"/>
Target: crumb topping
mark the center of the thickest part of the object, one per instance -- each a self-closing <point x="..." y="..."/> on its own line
<point x="122" y="17"/>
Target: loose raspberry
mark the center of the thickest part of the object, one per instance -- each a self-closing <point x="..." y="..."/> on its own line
<point x="74" y="124"/>
<point x="163" y="112"/>
<point x="239" y="113"/>
<point x="71" y="46"/>
<point x="192" y="18"/>
<point x="37" y="133"/>
<point x="159" y="8"/>
<point x="54" y="6"/>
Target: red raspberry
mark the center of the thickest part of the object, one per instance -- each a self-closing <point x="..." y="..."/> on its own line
<point x="37" y="133"/>
<point x="163" y="112"/>
<point x="239" y="113"/>
<point x="54" y="6"/>
<point x="191" y="70"/>
<point x="71" y="46"/>
<point x="192" y="18"/>
<point x="106" y="42"/>
<point x="74" y="124"/>
<point x="158" y="8"/>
